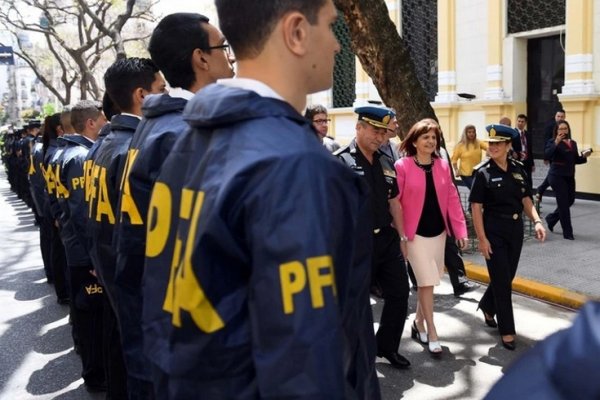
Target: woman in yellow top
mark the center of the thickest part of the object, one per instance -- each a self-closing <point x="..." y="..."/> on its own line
<point x="468" y="152"/>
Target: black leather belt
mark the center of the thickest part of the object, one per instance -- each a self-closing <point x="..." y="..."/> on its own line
<point x="513" y="217"/>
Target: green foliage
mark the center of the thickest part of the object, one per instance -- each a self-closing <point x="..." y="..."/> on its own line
<point x="29" y="113"/>
<point x="48" y="109"/>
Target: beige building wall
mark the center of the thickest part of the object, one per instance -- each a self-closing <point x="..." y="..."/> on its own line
<point x="477" y="56"/>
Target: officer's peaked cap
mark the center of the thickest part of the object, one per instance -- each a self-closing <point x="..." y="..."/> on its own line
<point x="379" y="117"/>
<point x="500" y="133"/>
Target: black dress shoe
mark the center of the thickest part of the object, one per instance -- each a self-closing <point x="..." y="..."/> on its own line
<point x="397" y="360"/>
<point x="465" y="287"/>
<point x="491" y="322"/>
<point x="512" y="345"/>
<point x="569" y="237"/>
<point x="550" y="225"/>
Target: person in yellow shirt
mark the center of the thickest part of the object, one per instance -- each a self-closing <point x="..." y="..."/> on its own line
<point x="467" y="154"/>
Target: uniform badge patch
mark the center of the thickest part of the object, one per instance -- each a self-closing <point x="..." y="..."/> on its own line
<point x="518" y="176"/>
<point x="389" y="173"/>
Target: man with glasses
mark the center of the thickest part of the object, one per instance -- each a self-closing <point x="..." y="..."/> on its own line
<point x="254" y="288"/>
<point x="191" y="53"/>
<point x="317" y="114"/>
<point x="388" y="268"/>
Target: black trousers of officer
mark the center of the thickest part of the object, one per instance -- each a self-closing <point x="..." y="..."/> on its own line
<point x="59" y="264"/>
<point x="506" y="239"/>
<point x="87" y="309"/>
<point x="46" y="246"/>
<point x="564" y="189"/>
<point x="390" y="271"/>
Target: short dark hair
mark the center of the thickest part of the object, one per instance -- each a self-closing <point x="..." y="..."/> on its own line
<point x="172" y="44"/>
<point x="522" y="116"/>
<point x="82" y="111"/>
<point x="51" y="124"/>
<point x="313" y="110"/>
<point x="126" y="75"/>
<point x="109" y="107"/>
<point x="247" y="24"/>
<point x="418" y="129"/>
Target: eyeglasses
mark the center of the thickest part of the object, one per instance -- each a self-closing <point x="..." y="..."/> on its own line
<point x="225" y="47"/>
<point x="322" y="121"/>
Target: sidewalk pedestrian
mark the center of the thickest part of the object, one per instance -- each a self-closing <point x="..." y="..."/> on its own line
<point x="430" y="210"/>
<point x="500" y="188"/>
<point x="563" y="155"/>
<point x="467" y="154"/>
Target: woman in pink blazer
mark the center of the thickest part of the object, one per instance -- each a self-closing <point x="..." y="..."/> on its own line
<point x="430" y="210"/>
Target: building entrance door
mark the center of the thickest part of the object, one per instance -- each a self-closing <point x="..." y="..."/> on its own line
<point x="545" y="79"/>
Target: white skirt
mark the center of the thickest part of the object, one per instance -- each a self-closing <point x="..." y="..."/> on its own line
<point x="426" y="257"/>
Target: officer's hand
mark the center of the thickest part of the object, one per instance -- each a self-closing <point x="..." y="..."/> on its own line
<point x="485" y="248"/>
<point x="462" y="243"/>
<point x="540" y="232"/>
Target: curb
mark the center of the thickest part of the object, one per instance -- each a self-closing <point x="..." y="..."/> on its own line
<point x="532" y="288"/>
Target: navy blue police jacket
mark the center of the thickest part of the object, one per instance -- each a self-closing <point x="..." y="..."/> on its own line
<point x="103" y="181"/>
<point x="50" y="185"/>
<point x="55" y="188"/>
<point x="563" y="157"/>
<point x="37" y="180"/>
<point x="161" y="125"/>
<point x="153" y="140"/>
<point x="72" y="200"/>
<point x="255" y="285"/>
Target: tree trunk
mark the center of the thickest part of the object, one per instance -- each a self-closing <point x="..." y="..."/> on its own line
<point x="386" y="59"/>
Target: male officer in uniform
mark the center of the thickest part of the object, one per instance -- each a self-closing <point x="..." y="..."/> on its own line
<point x="388" y="265"/>
<point x="255" y="290"/>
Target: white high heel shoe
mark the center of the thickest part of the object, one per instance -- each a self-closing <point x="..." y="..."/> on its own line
<point x="435" y="348"/>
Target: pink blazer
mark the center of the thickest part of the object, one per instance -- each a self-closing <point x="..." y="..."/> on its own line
<point x="411" y="184"/>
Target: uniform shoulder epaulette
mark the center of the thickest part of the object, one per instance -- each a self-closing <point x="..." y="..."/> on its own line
<point x="482" y="164"/>
<point x="516" y="163"/>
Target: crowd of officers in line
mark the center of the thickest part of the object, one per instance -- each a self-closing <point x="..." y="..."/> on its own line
<point x="120" y="207"/>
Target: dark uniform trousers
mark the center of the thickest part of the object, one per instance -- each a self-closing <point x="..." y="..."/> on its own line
<point x="390" y="271"/>
<point x="87" y="309"/>
<point x="46" y="245"/>
<point x="564" y="189"/>
<point x="506" y="239"/>
<point x="59" y="264"/>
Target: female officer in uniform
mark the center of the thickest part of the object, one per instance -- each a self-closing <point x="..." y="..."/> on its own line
<point x="498" y="198"/>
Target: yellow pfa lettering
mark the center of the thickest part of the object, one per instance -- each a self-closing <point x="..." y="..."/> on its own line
<point x="293" y="280"/>
<point x="293" y="276"/>
<point x="50" y="180"/>
<point x="128" y="205"/>
<point x="31" y="165"/>
<point x="320" y="275"/>
<point x="159" y="219"/>
<point x="77" y="182"/>
<point x="104" y="207"/>
<point x="93" y="289"/>
<point x="61" y="190"/>
<point x="189" y="295"/>
<point x="87" y="174"/>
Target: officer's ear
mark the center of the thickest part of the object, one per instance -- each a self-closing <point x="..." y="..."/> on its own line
<point x="199" y="60"/>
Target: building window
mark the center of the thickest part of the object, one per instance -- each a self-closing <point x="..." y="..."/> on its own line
<point x="528" y="15"/>
<point x="419" y="31"/>
<point x="344" y="70"/>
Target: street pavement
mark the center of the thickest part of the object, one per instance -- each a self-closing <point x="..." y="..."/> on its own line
<point x="37" y="360"/>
